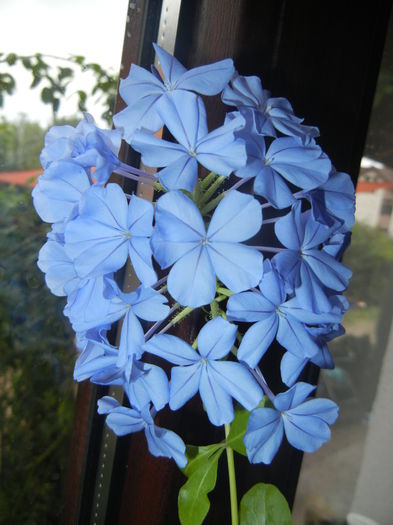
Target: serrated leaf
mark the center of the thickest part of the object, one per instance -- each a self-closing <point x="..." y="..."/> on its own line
<point x="264" y="504"/>
<point x="239" y="427"/>
<point x="201" y="471"/>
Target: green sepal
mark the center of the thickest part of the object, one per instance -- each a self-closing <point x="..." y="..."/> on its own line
<point x="201" y="470"/>
<point x="264" y="504"/>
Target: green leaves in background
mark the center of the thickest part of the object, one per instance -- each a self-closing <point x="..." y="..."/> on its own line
<point x="264" y="504"/>
<point x="55" y="79"/>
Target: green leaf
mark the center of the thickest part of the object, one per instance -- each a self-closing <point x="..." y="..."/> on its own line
<point x="264" y="504"/>
<point x="238" y="429"/>
<point x="47" y="95"/>
<point x="201" y="471"/>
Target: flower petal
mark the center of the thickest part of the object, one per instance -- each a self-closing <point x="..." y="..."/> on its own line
<point x="184" y="384"/>
<point x="218" y="403"/>
<point x="257" y="340"/>
<point x="209" y="79"/>
<point x="216" y="338"/>
<point x="192" y="281"/>
<point x="239" y="267"/>
<point x="263" y="436"/>
<point x="172" y="348"/>
<point x="237" y="218"/>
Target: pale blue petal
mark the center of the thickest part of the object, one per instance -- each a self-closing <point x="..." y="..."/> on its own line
<point x="184" y="384"/>
<point x="324" y="409"/>
<point x="131" y="339"/>
<point x="192" y="281"/>
<point x="216" y="338"/>
<point x="244" y="92"/>
<point x="306" y="433"/>
<point x="162" y="442"/>
<point x="304" y="166"/>
<point x="293" y="336"/>
<point x="141" y="258"/>
<point x="59" y="190"/>
<point x="271" y="285"/>
<point x="257" y="340"/>
<point x="156" y="152"/>
<point x="237" y="218"/>
<point x="172" y="348"/>
<point x="291" y="367"/>
<point x="189" y="126"/>
<point x="179" y="228"/>
<point x="106" y="404"/>
<point x="181" y="174"/>
<point x="124" y="421"/>
<point x="264" y="435"/>
<point x="272" y="186"/>
<point x="331" y="273"/>
<point x="60" y="274"/>
<point x="150" y="385"/>
<point x="217" y="402"/>
<point x="139" y="84"/>
<point x="249" y="307"/>
<point x="148" y="304"/>
<point x="141" y="114"/>
<point x="293" y="397"/>
<point x="237" y="381"/>
<point x="140" y="217"/>
<point x="209" y="79"/>
<point x="238" y="266"/>
<point x="172" y="69"/>
<point x="220" y="151"/>
<point x="290" y="229"/>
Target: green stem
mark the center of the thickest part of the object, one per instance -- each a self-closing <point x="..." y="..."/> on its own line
<point x="211" y="191"/>
<point x="213" y="203"/>
<point x="232" y="480"/>
<point x="204" y="183"/>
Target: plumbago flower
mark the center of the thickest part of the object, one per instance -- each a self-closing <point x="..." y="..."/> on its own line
<point x="261" y="267"/>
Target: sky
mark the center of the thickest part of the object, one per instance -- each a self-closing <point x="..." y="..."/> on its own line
<point x="92" y="28"/>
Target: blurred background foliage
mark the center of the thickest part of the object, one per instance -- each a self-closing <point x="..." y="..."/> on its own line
<point x="36" y="362"/>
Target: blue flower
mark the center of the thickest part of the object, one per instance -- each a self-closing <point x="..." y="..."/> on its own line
<point x="334" y="200"/>
<point x="142" y="90"/>
<point x="180" y="238"/>
<point x="304" y="265"/>
<point x="108" y="230"/>
<point x="59" y="190"/>
<point x="270" y="114"/>
<point x="184" y="115"/>
<point x="85" y="304"/>
<point x="60" y="275"/>
<point x="304" y="422"/>
<point x="123" y="421"/>
<point x="87" y="145"/>
<point x="274" y="317"/>
<point x="217" y="381"/>
<point x="287" y="159"/>
<point x="144" y="383"/>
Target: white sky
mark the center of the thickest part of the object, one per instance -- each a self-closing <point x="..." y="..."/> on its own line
<point x="92" y="28"/>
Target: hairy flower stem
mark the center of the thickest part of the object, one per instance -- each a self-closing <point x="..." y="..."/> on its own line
<point x="213" y="203"/>
<point x="179" y="317"/>
<point x="205" y="183"/>
<point x="261" y="380"/>
<point x="160" y="282"/>
<point x="211" y="191"/>
<point x="152" y="330"/>
<point x="136" y="171"/>
<point x="239" y="183"/>
<point x="131" y="176"/>
<point x="232" y="480"/>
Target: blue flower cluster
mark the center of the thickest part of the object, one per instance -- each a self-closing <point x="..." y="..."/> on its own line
<point x="199" y="246"/>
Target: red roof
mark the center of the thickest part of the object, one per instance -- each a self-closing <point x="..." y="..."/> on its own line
<point x="366" y="186"/>
<point x="21" y="178"/>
